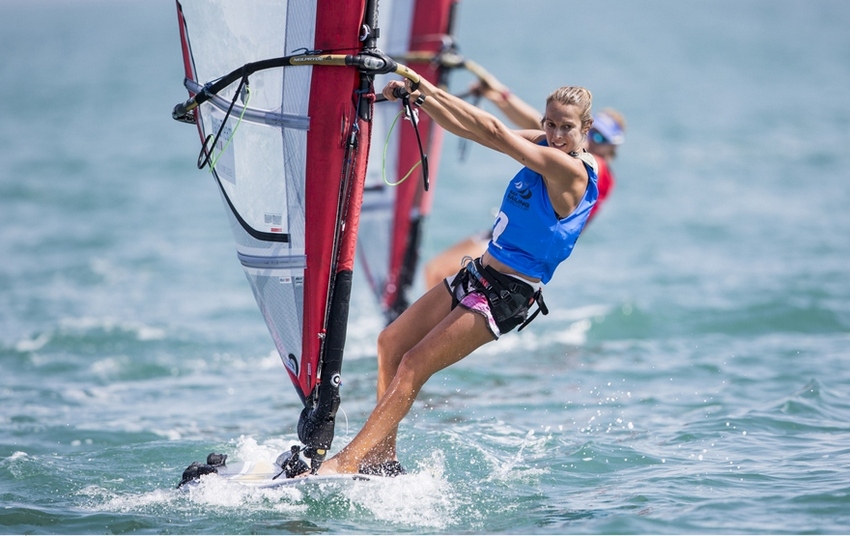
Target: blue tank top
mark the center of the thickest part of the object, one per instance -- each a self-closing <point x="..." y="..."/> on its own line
<point x="528" y="236"/>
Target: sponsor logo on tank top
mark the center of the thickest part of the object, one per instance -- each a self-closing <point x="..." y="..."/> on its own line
<point x="519" y="195"/>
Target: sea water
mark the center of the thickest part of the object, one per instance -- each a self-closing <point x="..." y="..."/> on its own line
<point x="692" y="376"/>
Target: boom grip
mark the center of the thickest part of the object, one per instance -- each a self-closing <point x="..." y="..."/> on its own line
<point x="410" y="74"/>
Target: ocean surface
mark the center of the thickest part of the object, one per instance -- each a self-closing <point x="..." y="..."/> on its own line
<point x="692" y="377"/>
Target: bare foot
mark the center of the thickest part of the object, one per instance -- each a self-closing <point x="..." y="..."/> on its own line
<point x="328" y="467"/>
<point x="333" y="466"/>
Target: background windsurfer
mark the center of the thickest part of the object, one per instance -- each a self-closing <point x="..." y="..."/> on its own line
<point x="607" y="133"/>
<point x="557" y="188"/>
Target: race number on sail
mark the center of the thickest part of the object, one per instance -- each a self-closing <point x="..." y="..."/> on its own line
<point x="281" y="93"/>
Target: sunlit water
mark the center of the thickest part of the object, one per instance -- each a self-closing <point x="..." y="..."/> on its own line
<point x="691" y="377"/>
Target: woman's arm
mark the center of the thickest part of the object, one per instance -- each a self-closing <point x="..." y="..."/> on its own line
<point x="565" y="175"/>
<point x="467" y="121"/>
<point x="518" y="112"/>
<point x="439" y="113"/>
<point x="463" y="119"/>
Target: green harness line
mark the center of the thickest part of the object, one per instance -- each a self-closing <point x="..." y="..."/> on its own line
<point x="246" y="99"/>
<point x="384" y="156"/>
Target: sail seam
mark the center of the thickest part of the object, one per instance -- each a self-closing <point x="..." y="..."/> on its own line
<point x="289" y="261"/>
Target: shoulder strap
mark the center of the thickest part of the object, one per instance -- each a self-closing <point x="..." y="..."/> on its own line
<point x="589" y="160"/>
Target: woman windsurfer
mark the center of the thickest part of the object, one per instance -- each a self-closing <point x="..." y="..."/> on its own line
<point x="543" y="211"/>
<point x="603" y="139"/>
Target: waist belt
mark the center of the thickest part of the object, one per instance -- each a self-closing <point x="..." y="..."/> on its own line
<point x="509" y="298"/>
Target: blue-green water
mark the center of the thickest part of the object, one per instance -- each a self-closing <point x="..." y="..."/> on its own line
<point x="692" y="377"/>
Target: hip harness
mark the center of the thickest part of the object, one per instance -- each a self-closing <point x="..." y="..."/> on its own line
<point x="509" y="298"/>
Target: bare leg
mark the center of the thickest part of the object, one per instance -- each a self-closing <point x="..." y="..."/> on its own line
<point x="394" y="341"/>
<point x="453" y="338"/>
